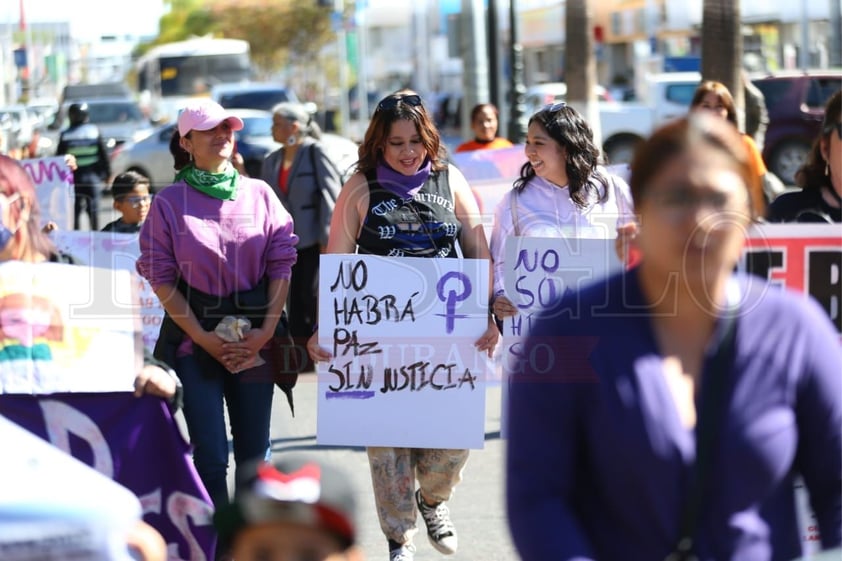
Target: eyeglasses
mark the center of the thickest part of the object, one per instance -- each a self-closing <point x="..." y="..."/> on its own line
<point x="679" y="203"/>
<point x="392" y="101"/>
<point x="829" y="128"/>
<point x="136" y="201"/>
<point x="552" y="107"/>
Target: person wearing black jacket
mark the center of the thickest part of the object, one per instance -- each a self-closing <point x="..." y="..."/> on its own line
<point x="820" y="178"/>
<point x="83" y="140"/>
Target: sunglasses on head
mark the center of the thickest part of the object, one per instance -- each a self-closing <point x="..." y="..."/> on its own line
<point x="553" y="107"/>
<point x="392" y="101"/>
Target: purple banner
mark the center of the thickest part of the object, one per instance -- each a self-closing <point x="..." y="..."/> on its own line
<point x="135" y="442"/>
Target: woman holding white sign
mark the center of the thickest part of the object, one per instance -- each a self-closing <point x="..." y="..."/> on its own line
<point x="820" y="178"/>
<point x="405" y="188"/>
<point x="669" y="408"/>
<point x="561" y="192"/>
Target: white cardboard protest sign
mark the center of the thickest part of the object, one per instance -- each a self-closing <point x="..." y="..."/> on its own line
<point x="537" y="272"/>
<point x="540" y="270"/>
<point x="405" y="371"/>
<point x="110" y="250"/>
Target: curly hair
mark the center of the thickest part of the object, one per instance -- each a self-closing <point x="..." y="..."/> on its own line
<point x="570" y="130"/>
<point x="812" y="175"/>
<point x="373" y="143"/>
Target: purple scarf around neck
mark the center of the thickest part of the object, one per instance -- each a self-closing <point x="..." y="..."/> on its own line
<point x="402" y="185"/>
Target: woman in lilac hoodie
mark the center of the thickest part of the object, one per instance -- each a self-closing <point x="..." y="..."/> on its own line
<point x="215" y="243"/>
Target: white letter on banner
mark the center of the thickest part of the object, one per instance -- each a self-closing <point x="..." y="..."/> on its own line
<point x="180" y="506"/>
<point x="62" y="420"/>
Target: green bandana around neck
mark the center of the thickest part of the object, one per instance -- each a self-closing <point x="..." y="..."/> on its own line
<point x="221" y="186"/>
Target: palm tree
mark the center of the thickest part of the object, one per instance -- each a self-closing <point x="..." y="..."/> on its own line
<point x="580" y="63"/>
<point x="722" y="46"/>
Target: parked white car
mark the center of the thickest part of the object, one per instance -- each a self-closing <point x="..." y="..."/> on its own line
<point x="539" y="95"/>
<point x="661" y="98"/>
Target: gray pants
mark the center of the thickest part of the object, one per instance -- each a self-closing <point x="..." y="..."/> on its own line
<point x="393" y="475"/>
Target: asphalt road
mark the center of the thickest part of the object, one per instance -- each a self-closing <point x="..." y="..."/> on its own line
<point x="477" y="505"/>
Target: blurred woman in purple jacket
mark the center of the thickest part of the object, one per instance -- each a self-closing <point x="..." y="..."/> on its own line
<point x="667" y="409"/>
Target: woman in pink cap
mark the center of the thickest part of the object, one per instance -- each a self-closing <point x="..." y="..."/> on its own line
<point x="216" y="244"/>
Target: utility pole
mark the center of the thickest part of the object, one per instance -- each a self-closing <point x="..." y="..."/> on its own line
<point x="342" y="48"/>
<point x="361" y="7"/>
<point x="475" y="69"/>
<point x="493" y="34"/>
<point x="580" y="63"/>
<point x="835" y="34"/>
<point x="517" y="90"/>
<point x="804" y="54"/>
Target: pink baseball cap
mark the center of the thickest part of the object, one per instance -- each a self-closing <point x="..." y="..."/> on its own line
<point x="203" y="115"/>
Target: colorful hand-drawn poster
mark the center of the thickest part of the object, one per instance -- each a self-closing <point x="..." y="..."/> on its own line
<point x="65" y="328"/>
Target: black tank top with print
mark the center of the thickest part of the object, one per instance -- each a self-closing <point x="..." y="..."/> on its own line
<point x="423" y="226"/>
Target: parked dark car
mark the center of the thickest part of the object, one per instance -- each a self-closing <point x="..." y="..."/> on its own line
<point x="795" y="101"/>
<point x="151" y="156"/>
<point x="261" y="96"/>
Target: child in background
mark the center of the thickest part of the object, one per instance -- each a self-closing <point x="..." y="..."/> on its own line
<point x="131" y="199"/>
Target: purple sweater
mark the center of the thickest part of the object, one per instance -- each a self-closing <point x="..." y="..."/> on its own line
<point x="217" y="246"/>
<point x="598" y="462"/>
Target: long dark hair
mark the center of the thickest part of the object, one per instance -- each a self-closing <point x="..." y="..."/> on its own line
<point x="722" y="93"/>
<point x="180" y="156"/>
<point x="567" y="127"/>
<point x="811" y="175"/>
<point x="381" y="122"/>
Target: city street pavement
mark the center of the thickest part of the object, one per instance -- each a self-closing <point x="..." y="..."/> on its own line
<point x="477" y="505"/>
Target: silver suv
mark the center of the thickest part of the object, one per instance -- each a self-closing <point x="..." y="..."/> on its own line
<point x="119" y="120"/>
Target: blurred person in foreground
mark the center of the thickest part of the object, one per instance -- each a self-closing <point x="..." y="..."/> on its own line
<point x="403" y="169"/>
<point x="683" y="399"/>
<point x="820" y="178"/>
<point x="484" y="122"/>
<point x="297" y="509"/>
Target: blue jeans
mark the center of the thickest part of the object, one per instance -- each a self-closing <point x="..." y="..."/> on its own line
<point x="248" y="396"/>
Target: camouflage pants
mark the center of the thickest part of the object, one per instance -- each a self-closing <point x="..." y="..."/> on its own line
<point x="393" y="475"/>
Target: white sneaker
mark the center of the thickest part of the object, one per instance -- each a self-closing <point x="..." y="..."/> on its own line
<point x="406" y="552"/>
<point x="440" y="528"/>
